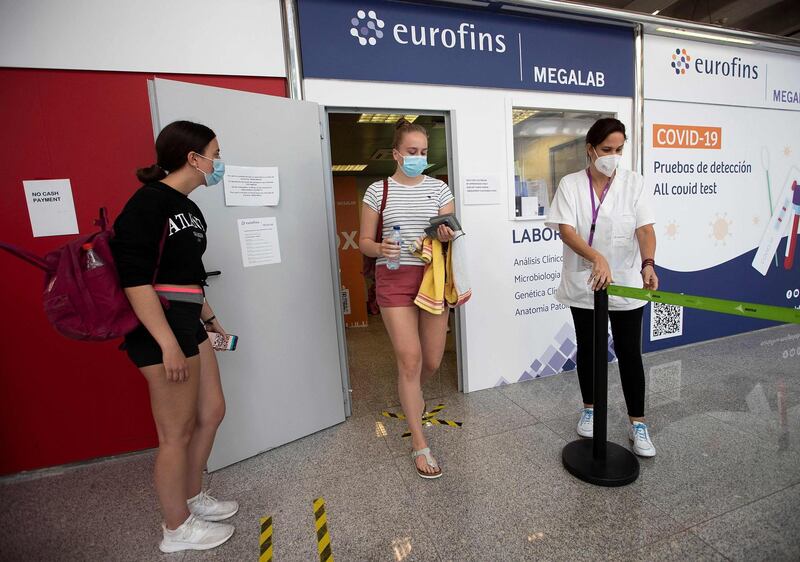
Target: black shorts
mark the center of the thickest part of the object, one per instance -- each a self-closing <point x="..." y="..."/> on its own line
<point x="184" y="319"/>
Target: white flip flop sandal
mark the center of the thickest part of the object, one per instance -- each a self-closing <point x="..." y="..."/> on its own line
<point x="426" y="452"/>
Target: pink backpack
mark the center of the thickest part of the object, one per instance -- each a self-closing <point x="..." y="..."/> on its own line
<point x="80" y="304"/>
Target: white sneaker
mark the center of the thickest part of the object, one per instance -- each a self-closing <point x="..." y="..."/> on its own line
<point x="642" y="445"/>
<point x="211" y="509"/>
<point x="586" y="423"/>
<point x="195" y="534"/>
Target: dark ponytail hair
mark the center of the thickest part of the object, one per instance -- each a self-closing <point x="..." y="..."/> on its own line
<point x="602" y="128"/>
<point x="405" y="126"/>
<point x="174" y="142"/>
<point x="150" y="174"/>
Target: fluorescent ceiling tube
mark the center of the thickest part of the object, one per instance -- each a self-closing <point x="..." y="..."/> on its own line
<point x="519" y="115"/>
<point x="385" y="118"/>
<point x="702" y="35"/>
<point x="349" y="167"/>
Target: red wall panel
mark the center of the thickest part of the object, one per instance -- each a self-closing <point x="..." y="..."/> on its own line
<point x="60" y="400"/>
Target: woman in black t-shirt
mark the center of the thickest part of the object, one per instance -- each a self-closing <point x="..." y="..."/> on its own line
<point x="159" y="240"/>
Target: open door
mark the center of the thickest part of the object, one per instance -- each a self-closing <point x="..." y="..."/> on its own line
<point x="284" y="381"/>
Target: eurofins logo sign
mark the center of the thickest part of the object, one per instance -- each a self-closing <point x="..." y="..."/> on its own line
<point x="680" y="61"/>
<point x="421" y="43"/>
<point x="734" y="68"/>
<point x="367" y="28"/>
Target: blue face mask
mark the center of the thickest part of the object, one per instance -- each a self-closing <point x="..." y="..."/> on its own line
<point x="217" y="174"/>
<point x="414" y="165"/>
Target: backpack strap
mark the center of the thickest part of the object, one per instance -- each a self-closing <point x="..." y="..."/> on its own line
<point x="102" y="219"/>
<point x="164" y="301"/>
<point x="161" y="251"/>
<point x="26" y="256"/>
<point x="102" y="223"/>
<point x="379" y="237"/>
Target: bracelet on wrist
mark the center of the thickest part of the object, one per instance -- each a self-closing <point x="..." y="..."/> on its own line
<point x="209" y="321"/>
<point x="648" y="262"/>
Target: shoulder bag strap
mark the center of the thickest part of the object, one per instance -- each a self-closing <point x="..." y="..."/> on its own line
<point x="379" y="237"/>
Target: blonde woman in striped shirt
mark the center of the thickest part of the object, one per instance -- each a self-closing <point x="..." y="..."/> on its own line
<point x="418" y="337"/>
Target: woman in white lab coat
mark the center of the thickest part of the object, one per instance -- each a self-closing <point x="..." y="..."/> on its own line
<point x="605" y="217"/>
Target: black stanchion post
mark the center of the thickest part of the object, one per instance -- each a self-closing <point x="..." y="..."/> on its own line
<point x="600" y="374"/>
<point x="597" y="461"/>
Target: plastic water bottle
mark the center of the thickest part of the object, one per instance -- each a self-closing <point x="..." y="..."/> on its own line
<point x="396" y="238"/>
<point x="92" y="260"/>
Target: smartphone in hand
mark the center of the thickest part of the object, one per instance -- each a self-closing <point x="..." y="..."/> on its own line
<point x="223" y="343"/>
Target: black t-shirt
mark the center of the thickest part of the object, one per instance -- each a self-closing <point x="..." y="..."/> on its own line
<point x="154" y="209"/>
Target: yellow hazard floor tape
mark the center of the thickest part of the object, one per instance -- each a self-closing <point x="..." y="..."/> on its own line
<point x="425" y="416"/>
<point x="265" y="540"/>
<point x="428" y="418"/>
<point x="436" y="421"/>
<point x="450" y="423"/>
<point x="323" y="535"/>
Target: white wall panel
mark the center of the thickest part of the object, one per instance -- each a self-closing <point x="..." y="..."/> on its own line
<point x="234" y="37"/>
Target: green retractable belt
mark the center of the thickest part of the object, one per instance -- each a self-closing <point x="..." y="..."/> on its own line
<point x="750" y="310"/>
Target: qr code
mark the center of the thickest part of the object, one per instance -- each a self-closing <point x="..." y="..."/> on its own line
<point x="666" y="321"/>
<point x="346" y="301"/>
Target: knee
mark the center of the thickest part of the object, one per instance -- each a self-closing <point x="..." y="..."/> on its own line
<point x="213" y="415"/>
<point x="409" y="365"/>
<point x="628" y="353"/>
<point x="178" y="436"/>
<point x="430" y="366"/>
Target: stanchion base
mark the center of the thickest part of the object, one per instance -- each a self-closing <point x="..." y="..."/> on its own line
<point x="619" y="468"/>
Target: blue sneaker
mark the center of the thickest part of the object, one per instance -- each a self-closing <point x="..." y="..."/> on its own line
<point x="586" y="423"/>
<point x="642" y="445"/>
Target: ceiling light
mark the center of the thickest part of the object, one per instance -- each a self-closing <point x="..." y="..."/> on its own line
<point x="656" y="12"/>
<point x="701" y="35"/>
<point x="349" y="167"/>
<point x="520" y="115"/>
<point x="385" y="118"/>
<point x="535" y="128"/>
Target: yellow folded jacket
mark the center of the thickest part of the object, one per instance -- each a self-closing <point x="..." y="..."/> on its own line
<point x="440" y="282"/>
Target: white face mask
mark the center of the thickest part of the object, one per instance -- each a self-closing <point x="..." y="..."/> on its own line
<point x="607" y="165"/>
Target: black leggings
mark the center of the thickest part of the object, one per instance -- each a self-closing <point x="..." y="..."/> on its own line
<point x="626" y="328"/>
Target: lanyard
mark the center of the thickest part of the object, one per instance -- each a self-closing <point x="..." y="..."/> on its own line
<point x="596" y="207"/>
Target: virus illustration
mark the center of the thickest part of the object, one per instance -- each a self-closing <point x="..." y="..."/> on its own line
<point x="720" y="229"/>
<point x="671" y="230"/>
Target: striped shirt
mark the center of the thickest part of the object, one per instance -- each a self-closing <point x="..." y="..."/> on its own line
<point x="410" y="208"/>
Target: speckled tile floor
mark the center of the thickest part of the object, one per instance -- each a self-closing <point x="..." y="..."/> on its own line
<point x="725" y="485"/>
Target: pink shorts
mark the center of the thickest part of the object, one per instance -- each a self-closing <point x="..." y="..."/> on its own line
<point x="398" y="287"/>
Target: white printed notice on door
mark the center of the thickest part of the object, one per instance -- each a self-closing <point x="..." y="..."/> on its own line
<point x="481" y="190"/>
<point x="249" y="186"/>
<point x="51" y="208"/>
<point x="259" y="241"/>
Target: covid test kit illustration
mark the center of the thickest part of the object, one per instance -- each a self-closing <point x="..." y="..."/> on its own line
<point x="784" y="221"/>
<point x="791" y="243"/>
